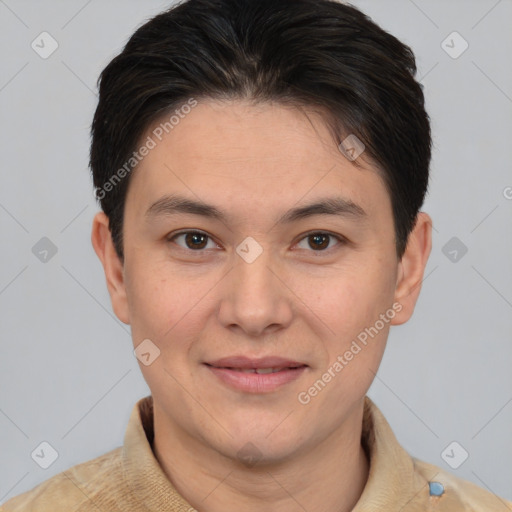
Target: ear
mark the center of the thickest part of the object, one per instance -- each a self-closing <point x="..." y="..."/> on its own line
<point x="101" y="239"/>
<point x="412" y="267"/>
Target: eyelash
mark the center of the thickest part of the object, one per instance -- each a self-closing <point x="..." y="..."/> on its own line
<point x="342" y="241"/>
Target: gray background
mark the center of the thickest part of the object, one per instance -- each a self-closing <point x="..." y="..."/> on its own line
<point x="67" y="372"/>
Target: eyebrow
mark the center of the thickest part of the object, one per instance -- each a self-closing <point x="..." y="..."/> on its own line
<point x="174" y="204"/>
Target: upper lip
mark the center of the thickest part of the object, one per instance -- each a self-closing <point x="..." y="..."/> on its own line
<point x="244" y="362"/>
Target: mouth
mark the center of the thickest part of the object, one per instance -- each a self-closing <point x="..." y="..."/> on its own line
<point x="262" y="375"/>
<point x="259" y="371"/>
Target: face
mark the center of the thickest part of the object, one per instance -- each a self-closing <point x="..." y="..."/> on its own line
<point x="257" y="286"/>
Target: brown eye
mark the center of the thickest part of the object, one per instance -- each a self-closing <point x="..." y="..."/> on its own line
<point x="320" y="241"/>
<point x="194" y="240"/>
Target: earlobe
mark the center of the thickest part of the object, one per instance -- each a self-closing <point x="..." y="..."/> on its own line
<point x="101" y="239"/>
<point x="412" y="267"/>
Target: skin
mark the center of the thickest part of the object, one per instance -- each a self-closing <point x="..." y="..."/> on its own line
<point x="295" y="300"/>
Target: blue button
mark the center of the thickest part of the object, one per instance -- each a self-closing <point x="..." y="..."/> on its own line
<point x="436" y="488"/>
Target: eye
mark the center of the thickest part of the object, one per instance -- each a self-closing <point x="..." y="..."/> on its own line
<point x="194" y="240"/>
<point x="319" y="241"/>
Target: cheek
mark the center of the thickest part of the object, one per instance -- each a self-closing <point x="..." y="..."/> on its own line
<point x="168" y="305"/>
<point x="349" y="298"/>
<point x="157" y="299"/>
<point x="357" y="334"/>
<point x="354" y="352"/>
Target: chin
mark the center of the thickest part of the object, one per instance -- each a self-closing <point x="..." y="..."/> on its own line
<point x="261" y="453"/>
<point x="264" y="444"/>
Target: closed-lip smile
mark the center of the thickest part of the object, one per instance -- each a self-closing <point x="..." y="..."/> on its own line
<point x="256" y="375"/>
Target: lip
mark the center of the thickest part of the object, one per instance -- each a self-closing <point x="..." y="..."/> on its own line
<point x="248" y="363"/>
<point x="228" y="371"/>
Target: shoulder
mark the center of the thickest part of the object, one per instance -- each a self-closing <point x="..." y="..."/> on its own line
<point x="459" y="494"/>
<point x="78" y="488"/>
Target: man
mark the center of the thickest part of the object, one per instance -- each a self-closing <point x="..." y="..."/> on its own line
<point x="261" y="168"/>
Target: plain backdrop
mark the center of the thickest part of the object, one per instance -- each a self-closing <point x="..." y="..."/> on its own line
<point x="68" y="375"/>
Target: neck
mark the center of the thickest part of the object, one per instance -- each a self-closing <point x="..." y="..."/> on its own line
<point x="329" y="477"/>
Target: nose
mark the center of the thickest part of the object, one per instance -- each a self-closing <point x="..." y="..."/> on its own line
<point x="255" y="300"/>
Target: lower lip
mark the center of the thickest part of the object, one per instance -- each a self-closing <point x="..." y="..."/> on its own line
<point x="257" y="382"/>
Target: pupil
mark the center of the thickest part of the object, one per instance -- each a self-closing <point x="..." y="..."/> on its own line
<point x="193" y="237"/>
<point x="318" y="238"/>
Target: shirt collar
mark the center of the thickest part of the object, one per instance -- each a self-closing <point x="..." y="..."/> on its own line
<point x="392" y="481"/>
<point x="142" y="472"/>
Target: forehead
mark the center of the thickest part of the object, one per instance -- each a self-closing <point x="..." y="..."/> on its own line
<point x="240" y="130"/>
<point x="250" y="155"/>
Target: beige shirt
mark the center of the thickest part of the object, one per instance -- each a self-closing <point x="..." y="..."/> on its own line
<point x="129" y="478"/>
